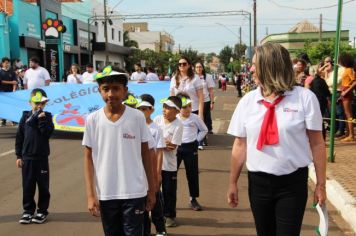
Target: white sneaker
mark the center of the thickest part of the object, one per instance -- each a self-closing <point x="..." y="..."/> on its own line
<point x="200" y="147"/>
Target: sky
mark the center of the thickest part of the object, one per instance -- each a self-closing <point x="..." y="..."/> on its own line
<point x="211" y="34"/>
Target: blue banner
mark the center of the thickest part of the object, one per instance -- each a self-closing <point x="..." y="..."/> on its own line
<point x="70" y="104"/>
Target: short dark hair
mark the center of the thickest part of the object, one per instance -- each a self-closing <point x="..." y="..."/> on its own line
<point x="183" y="95"/>
<point x="176" y="100"/>
<point x="121" y="79"/>
<point x="36" y="90"/>
<point x="304" y="62"/>
<point x="138" y="64"/>
<point x="5" y="59"/>
<point x="35" y="60"/>
<point x="90" y="65"/>
<point x="346" y="60"/>
<point x="148" y="98"/>
<point x="150" y="69"/>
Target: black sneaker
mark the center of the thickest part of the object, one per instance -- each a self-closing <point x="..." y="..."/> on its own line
<point x="39" y="218"/>
<point x="194" y="205"/>
<point x="26" y="218"/>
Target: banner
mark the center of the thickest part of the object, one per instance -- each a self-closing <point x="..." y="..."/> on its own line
<point x="70" y="104"/>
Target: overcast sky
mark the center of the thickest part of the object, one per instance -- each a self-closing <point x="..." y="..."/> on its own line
<point x="212" y="34"/>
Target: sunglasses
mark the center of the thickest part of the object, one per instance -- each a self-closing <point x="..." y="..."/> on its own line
<point x="182" y="64"/>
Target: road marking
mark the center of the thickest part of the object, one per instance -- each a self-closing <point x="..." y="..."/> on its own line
<point x="7" y="153"/>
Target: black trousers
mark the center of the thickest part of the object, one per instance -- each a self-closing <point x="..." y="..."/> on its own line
<point x="123" y="217"/>
<point x="35" y="172"/>
<point x="238" y="88"/>
<point x="169" y="191"/>
<point x="188" y="152"/>
<point x="278" y="202"/>
<point x="156" y="215"/>
<point x="207" y="116"/>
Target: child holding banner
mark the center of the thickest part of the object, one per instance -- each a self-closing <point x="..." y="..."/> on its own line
<point x="116" y="139"/>
<point x="32" y="151"/>
<point x="172" y="133"/>
<point x="146" y="105"/>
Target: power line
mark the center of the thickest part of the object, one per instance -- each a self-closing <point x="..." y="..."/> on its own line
<point x="308" y="9"/>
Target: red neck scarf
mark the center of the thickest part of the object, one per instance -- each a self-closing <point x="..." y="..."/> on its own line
<point x="269" y="129"/>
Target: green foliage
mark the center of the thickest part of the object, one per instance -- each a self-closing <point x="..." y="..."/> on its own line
<point x="318" y="51"/>
<point x="225" y="54"/>
<point x="209" y="57"/>
<point x="192" y="55"/>
<point x="239" y="50"/>
<point x="128" y="42"/>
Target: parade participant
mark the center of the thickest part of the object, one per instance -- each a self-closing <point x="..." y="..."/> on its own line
<point x="277" y="155"/>
<point x="300" y="75"/>
<point x="138" y="75"/>
<point x="116" y="139"/>
<point x="194" y="131"/>
<point x="146" y="105"/>
<point x="74" y="77"/>
<point x="36" y="76"/>
<point x="20" y="74"/>
<point x="8" y="80"/>
<point x="185" y="81"/>
<point x="89" y="75"/>
<point x="208" y="91"/>
<point x="130" y="100"/>
<point x="172" y="132"/>
<point x="348" y="83"/>
<point x="151" y="75"/>
<point x="223" y="82"/>
<point x="32" y="151"/>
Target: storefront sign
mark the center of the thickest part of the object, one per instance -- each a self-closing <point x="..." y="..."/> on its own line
<point x="52" y="61"/>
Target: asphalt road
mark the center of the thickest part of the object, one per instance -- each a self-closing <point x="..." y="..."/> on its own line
<point x="68" y="214"/>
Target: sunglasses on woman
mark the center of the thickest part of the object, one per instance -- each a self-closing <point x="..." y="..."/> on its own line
<point x="182" y="64"/>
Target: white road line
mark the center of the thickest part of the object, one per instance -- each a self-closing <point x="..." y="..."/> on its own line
<point x="7" y="153"/>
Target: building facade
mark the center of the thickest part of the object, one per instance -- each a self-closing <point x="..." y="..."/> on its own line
<point x="155" y="40"/>
<point x="301" y="33"/>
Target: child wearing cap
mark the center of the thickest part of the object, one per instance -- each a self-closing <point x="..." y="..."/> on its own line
<point x="117" y="162"/>
<point x="130" y="100"/>
<point x="172" y="133"/>
<point x="194" y="131"/>
<point x="32" y="151"/>
<point x="146" y="105"/>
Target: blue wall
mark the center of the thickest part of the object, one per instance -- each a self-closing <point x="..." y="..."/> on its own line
<point x="68" y="36"/>
<point x="4" y="36"/>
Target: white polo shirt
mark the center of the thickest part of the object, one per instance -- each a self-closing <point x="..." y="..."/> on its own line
<point x="296" y="113"/>
<point x="208" y="83"/>
<point x="116" y="151"/>
<point x="190" y="87"/>
<point x="157" y="135"/>
<point x="194" y="128"/>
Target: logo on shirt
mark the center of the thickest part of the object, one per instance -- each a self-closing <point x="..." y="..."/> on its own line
<point x="289" y="110"/>
<point x="128" y="136"/>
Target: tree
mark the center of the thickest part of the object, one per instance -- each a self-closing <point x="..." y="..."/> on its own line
<point x="225" y="54"/>
<point x="192" y="55"/>
<point x="128" y="42"/>
<point x="239" y="50"/>
<point x="209" y="57"/>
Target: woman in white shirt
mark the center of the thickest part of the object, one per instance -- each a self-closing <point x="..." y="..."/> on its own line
<point x="277" y="130"/>
<point x="74" y="77"/>
<point x="185" y="81"/>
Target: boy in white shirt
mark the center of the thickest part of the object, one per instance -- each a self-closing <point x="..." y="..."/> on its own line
<point x="194" y="131"/>
<point x="146" y="105"/>
<point x="117" y="160"/>
<point x="89" y="75"/>
<point x="172" y="133"/>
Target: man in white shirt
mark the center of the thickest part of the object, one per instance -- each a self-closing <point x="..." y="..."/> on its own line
<point x="89" y="75"/>
<point x="36" y="76"/>
<point x="151" y="75"/>
<point x="138" y="75"/>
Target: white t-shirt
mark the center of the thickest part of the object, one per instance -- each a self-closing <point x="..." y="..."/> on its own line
<point x="190" y="87"/>
<point x="296" y="113"/>
<point x="138" y="76"/>
<point x="116" y="150"/>
<point x="157" y="135"/>
<point x="88" y="78"/>
<point x="173" y="132"/>
<point x="194" y="128"/>
<point x="152" y="77"/>
<point x="208" y="83"/>
<point x="72" y="80"/>
<point x="35" y="78"/>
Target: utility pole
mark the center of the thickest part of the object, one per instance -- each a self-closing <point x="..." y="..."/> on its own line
<point x="266" y="31"/>
<point x="254" y="24"/>
<point x="106" y="34"/>
<point x="321" y="28"/>
<point x="240" y="31"/>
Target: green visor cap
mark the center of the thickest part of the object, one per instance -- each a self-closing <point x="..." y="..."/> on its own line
<point x="108" y="72"/>
<point x="38" y="97"/>
<point x="131" y="100"/>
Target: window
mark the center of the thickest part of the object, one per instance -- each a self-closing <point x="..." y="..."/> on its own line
<point x="119" y="36"/>
<point x="113" y="34"/>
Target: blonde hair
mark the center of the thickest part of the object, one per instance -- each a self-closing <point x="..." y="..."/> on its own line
<point x="76" y="66"/>
<point x="274" y="69"/>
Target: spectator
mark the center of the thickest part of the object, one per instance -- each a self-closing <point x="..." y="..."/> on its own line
<point x="151" y="75"/>
<point x="8" y="80"/>
<point x="74" y="77"/>
<point x="300" y="72"/>
<point x="20" y="75"/>
<point x="89" y="74"/>
<point x="138" y="75"/>
<point x="36" y="76"/>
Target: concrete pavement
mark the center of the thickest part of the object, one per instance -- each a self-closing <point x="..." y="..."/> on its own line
<point x="68" y="214"/>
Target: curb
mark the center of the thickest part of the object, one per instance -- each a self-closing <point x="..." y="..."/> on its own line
<point x="339" y="197"/>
